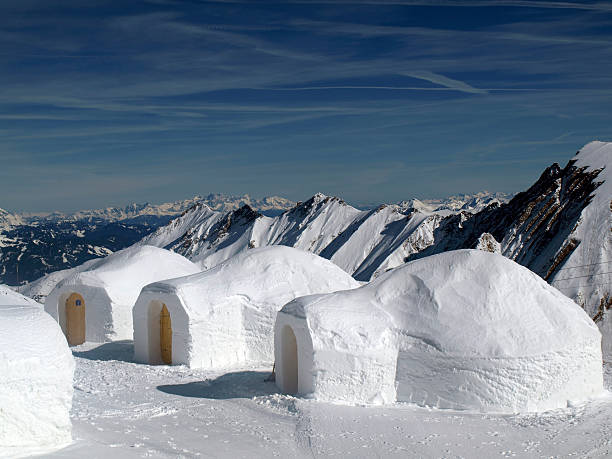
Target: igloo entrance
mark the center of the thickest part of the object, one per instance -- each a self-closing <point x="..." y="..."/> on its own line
<point x="289" y="356"/>
<point x="75" y="319"/>
<point x="165" y="336"/>
<point x="160" y="333"/>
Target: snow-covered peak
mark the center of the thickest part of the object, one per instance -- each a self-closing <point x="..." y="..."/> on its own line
<point x="317" y="200"/>
<point x="417" y="205"/>
<point x="223" y="203"/>
<point x="595" y="155"/>
<point x="471" y="203"/>
<point x="7" y="220"/>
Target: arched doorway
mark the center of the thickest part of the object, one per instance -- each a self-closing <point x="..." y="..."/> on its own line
<point x="75" y="319"/>
<point x="289" y="360"/>
<point x="165" y="335"/>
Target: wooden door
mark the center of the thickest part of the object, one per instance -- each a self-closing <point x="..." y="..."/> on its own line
<point x="75" y="319"/>
<point x="165" y="335"/>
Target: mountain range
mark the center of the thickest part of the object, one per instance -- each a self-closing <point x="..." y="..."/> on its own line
<point x="560" y="228"/>
<point x="34" y="244"/>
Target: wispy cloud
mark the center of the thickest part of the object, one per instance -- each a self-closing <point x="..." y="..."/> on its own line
<point x="444" y="81"/>
<point x="596" y="6"/>
<point x="173" y="87"/>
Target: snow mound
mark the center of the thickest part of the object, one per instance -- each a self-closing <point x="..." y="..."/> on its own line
<point x="110" y="286"/>
<point x="36" y="371"/>
<point x="466" y="329"/>
<point x="40" y="288"/>
<point x="8" y="296"/>
<point x="225" y="316"/>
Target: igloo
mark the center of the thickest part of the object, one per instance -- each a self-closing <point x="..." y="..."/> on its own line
<point x="225" y="316"/>
<point x="96" y="304"/>
<point x="463" y="330"/>
<point x="36" y="371"/>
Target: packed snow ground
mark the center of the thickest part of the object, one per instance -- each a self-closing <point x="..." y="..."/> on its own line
<point x="123" y="409"/>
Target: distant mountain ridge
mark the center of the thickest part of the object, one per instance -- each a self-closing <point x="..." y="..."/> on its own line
<point x="362" y="242"/>
<point x="216" y="201"/>
<point x="8" y="220"/>
<point x="32" y="245"/>
<point x="55" y="241"/>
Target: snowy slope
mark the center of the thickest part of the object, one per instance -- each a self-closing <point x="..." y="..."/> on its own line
<point x="7" y="220"/>
<point x="362" y="242"/>
<point x="184" y="228"/>
<point x="9" y="296"/>
<point x="585" y="273"/>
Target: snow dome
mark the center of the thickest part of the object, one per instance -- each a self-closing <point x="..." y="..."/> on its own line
<point x="465" y="329"/>
<point x="36" y="370"/>
<point x="225" y="316"/>
<point x="9" y="296"/>
<point x="96" y="304"/>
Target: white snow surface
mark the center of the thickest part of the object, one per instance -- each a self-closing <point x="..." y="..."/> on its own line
<point x="111" y="285"/>
<point x="41" y="287"/>
<point x="126" y="410"/>
<point x="465" y="329"/>
<point x="225" y="316"/>
<point x="36" y="371"/>
<point x="8" y="296"/>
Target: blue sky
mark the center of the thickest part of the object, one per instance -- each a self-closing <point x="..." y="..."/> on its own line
<point x="110" y="102"/>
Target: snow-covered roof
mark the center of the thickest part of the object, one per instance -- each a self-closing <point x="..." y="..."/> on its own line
<point x="9" y="296"/>
<point x="40" y="288"/>
<point x="465" y="329"/>
<point x="463" y="303"/>
<point x="28" y="333"/>
<point x="122" y="274"/>
<point x="273" y="275"/>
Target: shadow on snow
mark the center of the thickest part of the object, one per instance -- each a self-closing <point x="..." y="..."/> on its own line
<point x="241" y="384"/>
<point x="116" y="350"/>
